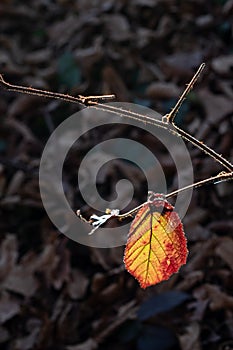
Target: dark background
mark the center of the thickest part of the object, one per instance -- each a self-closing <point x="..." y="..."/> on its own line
<point x="55" y="293"/>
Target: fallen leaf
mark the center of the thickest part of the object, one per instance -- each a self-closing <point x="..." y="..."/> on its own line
<point x="22" y="129"/>
<point x="21" y="281"/>
<point x="2" y="179"/>
<point x="78" y="284"/>
<point x="149" y="3"/>
<point x="162" y="90"/>
<point x="9" y="254"/>
<point x="190" y="340"/>
<point x="15" y="183"/>
<point x="89" y="344"/>
<point x="8" y="308"/>
<point x="200" y="258"/>
<point x="190" y="280"/>
<point x="223" y="65"/>
<point x="117" y="27"/>
<point x="216" y="106"/>
<point x="217" y="299"/>
<point x="204" y="21"/>
<point x="60" y="31"/>
<point x="99" y="280"/>
<point x="4" y="335"/>
<point x="28" y="342"/>
<point x="198" y="308"/>
<point x="110" y="294"/>
<point x="225" y="250"/>
<point x="181" y="64"/>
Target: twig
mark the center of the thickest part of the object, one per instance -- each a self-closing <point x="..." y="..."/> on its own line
<point x="171" y="116"/>
<point x="167" y="122"/>
<point x="97" y="221"/>
<point x="82" y="100"/>
<point x="214" y="179"/>
<point x="174" y="111"/>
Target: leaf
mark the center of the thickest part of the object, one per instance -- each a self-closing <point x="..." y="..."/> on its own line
<point x="156" y="246"/>
<point x="161" y="303"/>
<point x="224" y="249"/>
<point x="9" y="307"/>
<point x="190" y="340"/>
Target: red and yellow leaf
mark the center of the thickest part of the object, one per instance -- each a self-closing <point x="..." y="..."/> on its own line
<point x="156" y="246"/>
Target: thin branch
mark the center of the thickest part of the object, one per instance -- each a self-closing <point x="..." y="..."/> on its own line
<point x="167" y="122"/>
<point x="22" y="129"/>
<point x="206" y="149"/>
<point x="223" y="176"/>
<point x="214" y="179"/>
<point x="171" y="116"/>
<point x="82" y="100"/>
<point x="164" y="123"/>
<point x="175" y="109"/>
<point x="98" y="221"/>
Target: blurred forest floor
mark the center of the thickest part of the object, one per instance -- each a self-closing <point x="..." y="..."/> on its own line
<point x="56" y="293"/>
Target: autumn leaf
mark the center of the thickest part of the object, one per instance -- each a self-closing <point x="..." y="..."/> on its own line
<point x="156" y="246"/>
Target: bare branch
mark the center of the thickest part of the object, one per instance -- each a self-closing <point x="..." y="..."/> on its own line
<point x="166" y="122"/>
<point x="82" y="100"/>
<point x="98" y="221"/>
<point x="175" y="109"/>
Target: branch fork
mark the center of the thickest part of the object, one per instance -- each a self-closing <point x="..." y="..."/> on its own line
<point x="166" y="121"/>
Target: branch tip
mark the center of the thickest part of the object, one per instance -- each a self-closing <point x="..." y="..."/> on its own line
<point x="189" y="87"/>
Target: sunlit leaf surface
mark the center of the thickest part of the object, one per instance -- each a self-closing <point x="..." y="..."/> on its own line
<point x="156" y="246"/>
